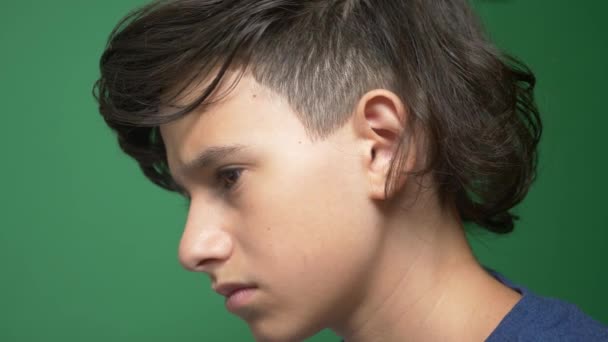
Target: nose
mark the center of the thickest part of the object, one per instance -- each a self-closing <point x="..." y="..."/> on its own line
<point x="205" y="242"/>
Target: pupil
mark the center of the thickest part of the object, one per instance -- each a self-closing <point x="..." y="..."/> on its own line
<point x="232" y="176"/>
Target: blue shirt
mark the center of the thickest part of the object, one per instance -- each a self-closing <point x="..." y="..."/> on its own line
<point x="537" y="318"/>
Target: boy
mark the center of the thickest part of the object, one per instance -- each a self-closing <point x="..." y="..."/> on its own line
<point x="330" y="152"/>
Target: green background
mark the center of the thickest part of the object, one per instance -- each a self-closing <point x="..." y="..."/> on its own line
<point x="88" y="245"/>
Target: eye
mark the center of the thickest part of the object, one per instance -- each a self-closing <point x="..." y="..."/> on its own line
<point x="229" y="178"/>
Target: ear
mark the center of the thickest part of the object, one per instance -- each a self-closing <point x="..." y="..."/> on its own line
<point x="380" y="119"/>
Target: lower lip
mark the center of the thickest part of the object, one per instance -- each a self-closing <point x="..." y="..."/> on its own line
<point x="239" y="299"/>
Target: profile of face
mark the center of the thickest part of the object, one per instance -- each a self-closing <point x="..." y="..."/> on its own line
<point x="295" y="218"/>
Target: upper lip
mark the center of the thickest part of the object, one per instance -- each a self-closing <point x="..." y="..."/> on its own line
<point x="228" y="289"/>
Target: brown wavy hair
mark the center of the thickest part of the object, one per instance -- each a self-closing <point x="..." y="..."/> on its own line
<point x="474" y="103"/>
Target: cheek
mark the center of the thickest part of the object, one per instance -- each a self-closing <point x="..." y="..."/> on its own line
<point x="313" y="223"/>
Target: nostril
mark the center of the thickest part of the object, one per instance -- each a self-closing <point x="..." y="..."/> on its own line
<point x="207" y="264"/>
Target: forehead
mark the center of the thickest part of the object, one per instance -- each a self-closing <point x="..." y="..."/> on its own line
<point x="245" y="113"/>
<point x="233" y="89"/>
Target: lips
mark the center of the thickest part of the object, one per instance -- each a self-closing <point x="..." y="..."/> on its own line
<point x="228" y="289"/>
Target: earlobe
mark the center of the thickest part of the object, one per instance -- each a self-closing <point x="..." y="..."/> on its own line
<point x="380" y="121"/>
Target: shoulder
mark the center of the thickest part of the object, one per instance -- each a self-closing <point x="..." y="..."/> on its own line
<point x="537" y="318"/>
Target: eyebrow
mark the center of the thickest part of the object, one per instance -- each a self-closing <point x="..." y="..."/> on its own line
<point x="208" y="158"/>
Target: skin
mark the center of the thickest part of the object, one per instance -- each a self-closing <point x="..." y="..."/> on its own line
<point x="307" y="222"/>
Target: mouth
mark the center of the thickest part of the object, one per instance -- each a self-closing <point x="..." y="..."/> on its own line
<point x="228" y="289"/>
<point x="240" y="299"/>
<point x="237" y="295"/>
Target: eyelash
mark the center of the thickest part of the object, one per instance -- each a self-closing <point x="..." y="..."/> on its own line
<point x="220" y="175"/>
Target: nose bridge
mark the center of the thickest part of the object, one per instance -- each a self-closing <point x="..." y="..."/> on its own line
<point x="205" y="240"/>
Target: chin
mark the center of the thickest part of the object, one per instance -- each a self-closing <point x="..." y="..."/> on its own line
<point x="281" y="332"/>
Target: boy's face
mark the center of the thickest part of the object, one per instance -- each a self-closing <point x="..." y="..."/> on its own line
<point x="298" y="222"/>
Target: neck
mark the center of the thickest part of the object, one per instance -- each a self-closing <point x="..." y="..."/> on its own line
<point x="428" y="286"/>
